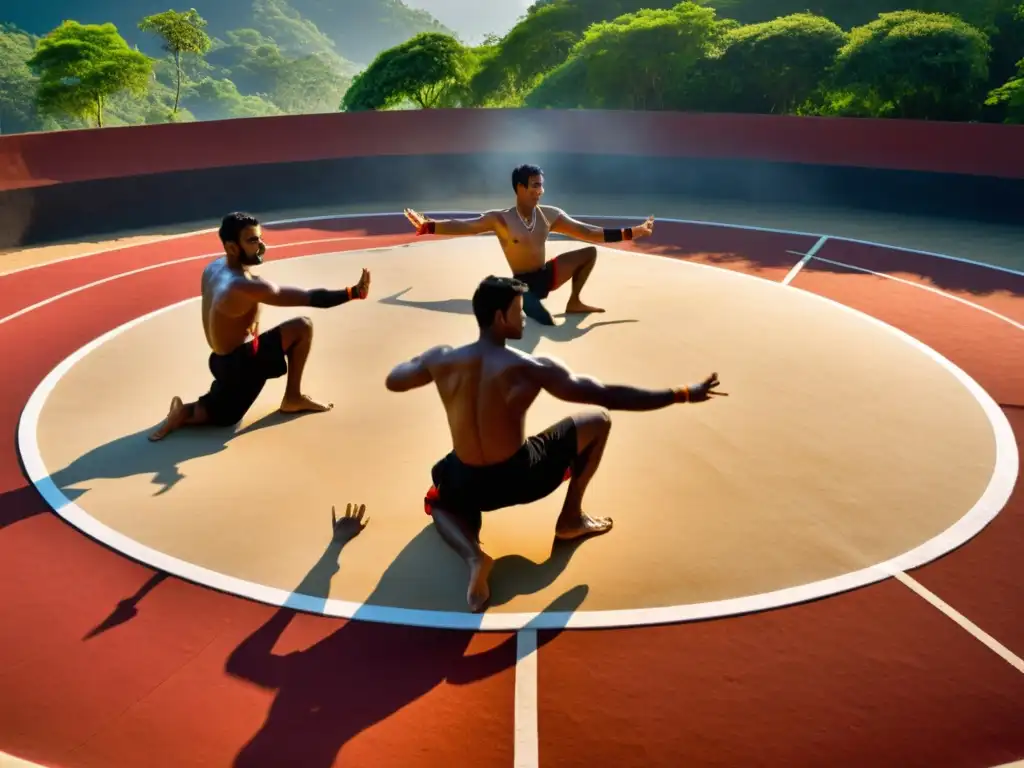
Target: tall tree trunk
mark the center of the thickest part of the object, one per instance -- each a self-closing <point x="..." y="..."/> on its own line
<point x="177" y="93"/>
<point x="99" y="111"/>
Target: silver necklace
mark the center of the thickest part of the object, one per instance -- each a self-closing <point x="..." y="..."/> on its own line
<point x="528" y="224"/>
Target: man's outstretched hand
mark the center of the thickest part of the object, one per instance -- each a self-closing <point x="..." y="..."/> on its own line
<point x="705" y="390"/>
<point x="351" y="525"/>
<point x="644" y="230"/>
<point x="417" y="220"/>
<point x="362" y="288"/>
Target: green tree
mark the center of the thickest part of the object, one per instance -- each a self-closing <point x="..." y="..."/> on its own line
<point x="181" y="32"/>
<point x="914" y="65"/>
<point x="774" y="66"/>
<point x="543" y="39"/>
<point x="80" y="65"/>
<point x="848" y="14"/>
<point x="430" y="70"/>
<point x="1010" y="96"/>
<point x="637" y="61"/>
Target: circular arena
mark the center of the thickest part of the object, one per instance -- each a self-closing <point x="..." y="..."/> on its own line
<point x="823" y="568"/>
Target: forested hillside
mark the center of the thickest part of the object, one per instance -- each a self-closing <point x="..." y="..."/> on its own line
<point x="262" y="57"/>
<point x="357" y="30"/>
<point x="911" y="59"/>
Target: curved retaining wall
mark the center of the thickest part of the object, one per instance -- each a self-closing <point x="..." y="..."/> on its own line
<point x="77" y="183"/>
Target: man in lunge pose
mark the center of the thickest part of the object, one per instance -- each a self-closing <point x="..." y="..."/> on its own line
<point x="242" y="359"/>
<point x="486" y="389"/>
<point x="523" y="230"/>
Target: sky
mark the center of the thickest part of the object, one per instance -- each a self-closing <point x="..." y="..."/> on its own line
<point x="472" y="19"/>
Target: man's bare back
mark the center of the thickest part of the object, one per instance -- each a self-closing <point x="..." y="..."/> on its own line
<point x="486" y="392"/>
<point x="486" y="389"/>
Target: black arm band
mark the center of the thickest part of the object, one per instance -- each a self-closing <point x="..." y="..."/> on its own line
<point x="612" y="235"/>
<point x="321" y="298"/>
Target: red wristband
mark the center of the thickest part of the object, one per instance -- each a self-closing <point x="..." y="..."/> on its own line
<point x="627" y="233"/>
<point x="681" y="394"/>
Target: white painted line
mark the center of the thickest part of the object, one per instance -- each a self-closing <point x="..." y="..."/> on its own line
<point x="526" y="754"/>
<point x="179" y="235"/>
<point x="699" y="222"/>
<point x="988" y="505"/>
<point x="979" y="634"/>
<point x="140" y="270"/>
<point x="858" y="241"/>
<point x="527" y="739"/>
<point x="806" y="257"/>
<point x="928" y="288"/>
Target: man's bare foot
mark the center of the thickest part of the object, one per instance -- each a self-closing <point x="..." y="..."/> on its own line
<point x="579" y="308"/>
<point x="479" y="591"/>
<point x="303" y="404"/>
<point x="175" y="419"/>
<point x="584" y="526"/>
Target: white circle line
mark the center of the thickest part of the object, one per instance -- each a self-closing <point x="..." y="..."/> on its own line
<point x="991" y="502"/>
<point x="149" y="267"/>
<point x="160" y="265"/>
<point x="379" y="214"/>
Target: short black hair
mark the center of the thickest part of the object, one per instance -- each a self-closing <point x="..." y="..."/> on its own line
<point x="495" y="294"/>
<point x="523" y="173"/>
<point x="232" y="225"/>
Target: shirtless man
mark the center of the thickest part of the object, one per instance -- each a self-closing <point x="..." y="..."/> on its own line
<point x="487" y="388"/>
<point x="522" y="232"/>
<point x="242" y="359"/>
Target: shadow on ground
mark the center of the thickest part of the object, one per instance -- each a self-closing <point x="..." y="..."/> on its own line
<point x="750" y="248"/>
<point x="354" y="678"/>
<point x="757" y="250"/>
<point x="566" y="331"/>
<point x="134" y="454"/>
<point x="20" y="504"/>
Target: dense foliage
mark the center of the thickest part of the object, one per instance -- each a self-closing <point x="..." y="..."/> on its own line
<point x="917" y="59"/>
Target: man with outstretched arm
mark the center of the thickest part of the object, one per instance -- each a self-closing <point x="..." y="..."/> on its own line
<point x="242" y="359"/>
<point x="522" y="232"/>
<point x="486" y="389"/>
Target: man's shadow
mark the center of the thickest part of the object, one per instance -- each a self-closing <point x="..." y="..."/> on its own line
<point x="354" y="678"/>
<point x="134" y="454"/>
<point x="533" y="332"/>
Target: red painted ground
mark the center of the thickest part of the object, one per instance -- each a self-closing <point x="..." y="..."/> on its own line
<point x="995" y="289"/>
<point x="983" y="578"/>
<point x="180" y="675"/>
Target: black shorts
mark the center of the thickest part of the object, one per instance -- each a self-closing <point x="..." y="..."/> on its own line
<point x="239" y="376"/>
<point x="540" y="281"/>
<point x="543" y="463"/>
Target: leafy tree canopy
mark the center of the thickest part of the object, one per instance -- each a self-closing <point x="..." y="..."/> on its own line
<point x="181" y="32"/>
<point x="427" y="70"/>
<point x="636" y="61"/>
<point x="81" y="65"/>
<point x="915" y="65"/>
<point x="776" y="65"/>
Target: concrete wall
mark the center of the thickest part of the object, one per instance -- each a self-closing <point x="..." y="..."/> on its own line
<point x="86" y="183"/>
